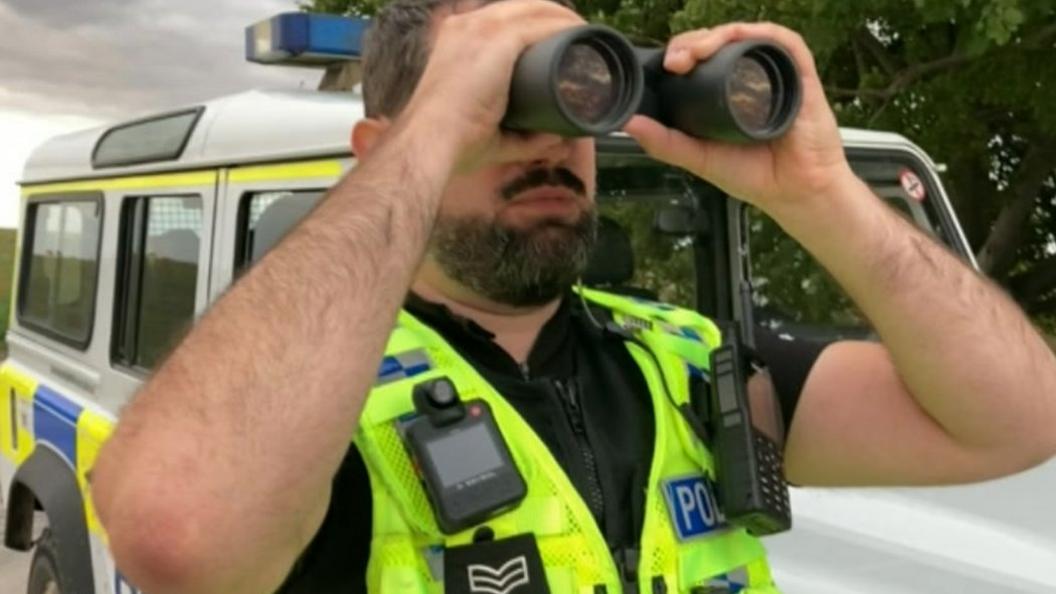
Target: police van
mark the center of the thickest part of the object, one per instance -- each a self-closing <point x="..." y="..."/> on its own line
<point x="130" y="231"/>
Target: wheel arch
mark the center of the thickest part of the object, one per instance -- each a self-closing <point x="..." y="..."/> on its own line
<point x="47" y="480"/>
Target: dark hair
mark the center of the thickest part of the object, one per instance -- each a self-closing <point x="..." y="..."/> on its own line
<point x="396" y="51"/>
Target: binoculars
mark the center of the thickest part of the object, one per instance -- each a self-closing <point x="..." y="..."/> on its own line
<point x="589" y="80"/>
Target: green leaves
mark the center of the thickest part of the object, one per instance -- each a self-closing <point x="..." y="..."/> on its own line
<point x="1000" y="20"/>
<point x="345" y="7"/>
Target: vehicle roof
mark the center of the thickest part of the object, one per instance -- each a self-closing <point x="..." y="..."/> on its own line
<point x="248" y="127"/>
<point x="258" y="126"/>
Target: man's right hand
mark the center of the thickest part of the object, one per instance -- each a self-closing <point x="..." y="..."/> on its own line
<point x="464" y="90"/>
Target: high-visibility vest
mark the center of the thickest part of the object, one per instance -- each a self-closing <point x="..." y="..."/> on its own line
<point x="685" y="542"/>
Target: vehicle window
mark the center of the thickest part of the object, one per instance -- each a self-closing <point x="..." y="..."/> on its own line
<point x="61" y="260"/>
<point x="632" y="195"/>
<point x="265" y="217"/>
<point x="792" y="292"/>
<point x="158" y="276"/>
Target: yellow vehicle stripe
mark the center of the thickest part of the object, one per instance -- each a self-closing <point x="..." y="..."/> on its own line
<point x="16" y="434"/>
<point x="93" y="429"/>
<point x="169" y="180"/>
<point x="328" y="168"/>
<point x="24" y="424"/>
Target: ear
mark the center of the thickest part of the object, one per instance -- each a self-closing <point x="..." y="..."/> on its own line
<point x="366" y="133"/>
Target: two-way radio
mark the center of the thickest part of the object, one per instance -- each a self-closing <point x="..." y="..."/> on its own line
<point x="750" y="481"/>
<point x="750" y="484"/>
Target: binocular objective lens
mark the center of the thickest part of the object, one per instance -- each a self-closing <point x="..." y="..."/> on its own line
<point x="586" y="83"/>
<point x="750" y="94"/>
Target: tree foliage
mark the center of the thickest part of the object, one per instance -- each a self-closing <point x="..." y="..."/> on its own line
<point x="971" y="81"/>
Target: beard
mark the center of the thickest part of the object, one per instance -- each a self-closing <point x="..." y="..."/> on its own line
<point x="520" y="267"/>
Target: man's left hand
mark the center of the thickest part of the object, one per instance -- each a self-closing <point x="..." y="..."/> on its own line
<point x="802" y="165"/>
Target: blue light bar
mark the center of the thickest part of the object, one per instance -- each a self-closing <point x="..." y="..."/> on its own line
<point x="303" y="39"/>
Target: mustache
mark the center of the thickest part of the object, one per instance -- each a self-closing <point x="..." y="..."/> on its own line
<point x="536" y="178"/>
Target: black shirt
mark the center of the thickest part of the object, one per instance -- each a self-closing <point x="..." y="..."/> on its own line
<point x="580" y="391"/>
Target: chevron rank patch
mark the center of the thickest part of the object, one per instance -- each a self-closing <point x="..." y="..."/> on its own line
<point x="507" y="566"/>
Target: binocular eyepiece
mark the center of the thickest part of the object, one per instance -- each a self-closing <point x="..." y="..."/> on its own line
<point x="589" y="80"/>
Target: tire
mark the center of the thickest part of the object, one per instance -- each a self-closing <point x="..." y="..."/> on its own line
<point x="44" y="575"/>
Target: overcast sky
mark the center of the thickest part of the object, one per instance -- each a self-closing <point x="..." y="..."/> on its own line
<point x="70" y="64"/>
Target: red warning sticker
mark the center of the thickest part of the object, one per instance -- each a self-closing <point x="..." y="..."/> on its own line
<point x="913" y="186"/>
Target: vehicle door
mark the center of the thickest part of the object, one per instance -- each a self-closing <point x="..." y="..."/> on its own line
<point x="159" y="271"/>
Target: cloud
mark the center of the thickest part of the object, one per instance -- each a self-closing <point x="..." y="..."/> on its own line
<point x="21" y="134"/>
<point x="116" y="59"/>
<point x="68" y="12"/>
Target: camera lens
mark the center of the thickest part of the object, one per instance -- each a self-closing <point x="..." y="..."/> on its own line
<point x="442" y="393"/>
<point x="750" y="92"/>
<point x="586" y="83"/>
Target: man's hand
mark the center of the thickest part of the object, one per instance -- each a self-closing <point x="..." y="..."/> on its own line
<point x="798" y="166"/>
<point x="962" y="388"/>
<point x="465" y="87"/>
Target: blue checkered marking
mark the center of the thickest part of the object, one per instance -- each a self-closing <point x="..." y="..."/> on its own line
<point x="682" y="332"/>
<point x="55" y="421"/>
<point x="698" y="372"/>
<point x="733" y="582"/>
<point x="692" y="505"/>
<point x="691" y="334"/>
<point x="403" y="365"/>
<point x="655" y="304"/>
<point x="389" y="366"/>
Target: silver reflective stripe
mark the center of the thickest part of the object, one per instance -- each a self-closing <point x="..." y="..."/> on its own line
<point x="634" y="323"/>
<point x="415" y="358"/>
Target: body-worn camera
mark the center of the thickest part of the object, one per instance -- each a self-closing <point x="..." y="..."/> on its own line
<point x="465" y="466"/>
<point x="589" y="81"/>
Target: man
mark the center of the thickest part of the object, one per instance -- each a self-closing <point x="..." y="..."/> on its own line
<point x="249" y="420"/>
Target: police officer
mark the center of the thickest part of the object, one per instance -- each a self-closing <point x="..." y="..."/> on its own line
<point x="220" y="476"/>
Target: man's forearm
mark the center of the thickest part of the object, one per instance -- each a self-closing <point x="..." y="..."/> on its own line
<point x="965" y="351"/>
<point x="234" y="442"/>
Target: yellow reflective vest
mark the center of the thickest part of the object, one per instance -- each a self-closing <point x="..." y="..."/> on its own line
<point x="685" y="545"/>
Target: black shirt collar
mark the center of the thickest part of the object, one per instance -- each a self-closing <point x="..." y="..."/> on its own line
<point x="551" y="355"/>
